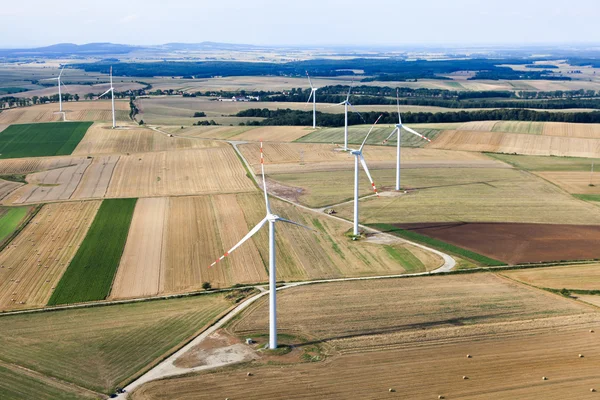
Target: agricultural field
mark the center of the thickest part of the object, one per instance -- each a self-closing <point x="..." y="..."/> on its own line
<point x="7" y="187"/>
<point x="33" y="263"/>
<point x="468" y="195"/>
<point x="90" y="273"/>
<point x="563" y="129"/>
<point x="102" y="139"/>
<point x="101" y="348"/>
<point x="96" y="178"/>
<point x="547" y="163"/>
<point x="356" y="135"/>
<point x="297" y="158"/>
<point x="38" y="140"/>
<point x="166" y="253"/>
<point x="494" y="142"/>
<point x="10" y="219"/>
<point x="574" y="182"/>
<point x="185" y="172"/>
<point x="412" y="335"/>
<point x="516" y="243"/>
<point x="577" y="277"/>
<point x="74" y="111"/>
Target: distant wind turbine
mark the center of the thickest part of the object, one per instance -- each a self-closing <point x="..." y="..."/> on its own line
<point x="313" y="94"/>
<point x="59" y="90"/>
<point x="112" y="92"/>
<point x="271" y="219"/>
<point x="358" y="157"/>
<point x="398" y="129"/>
<point x="346" y="104"/>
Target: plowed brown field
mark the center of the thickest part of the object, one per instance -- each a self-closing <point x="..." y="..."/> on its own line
<point x="413" y="335"/>
<point x="517" y="243"/>
<point x="33" y="263"/>
<point x="497" y="142"/>
<point x="186" y="172"/>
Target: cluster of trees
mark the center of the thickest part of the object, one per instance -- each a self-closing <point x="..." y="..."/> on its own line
<point x="300" y="118"/>
<point x="559" y="94"/>
<point x="510" y="74"/>
<point x="383" y="69"/>
<point x="206" y="123"/>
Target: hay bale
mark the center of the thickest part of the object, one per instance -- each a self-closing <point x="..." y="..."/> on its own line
<point x="591" y="331"/>
<point x="441" y="397"/>
<point x="465" y="377"/>
<point x="581" y="356"/>
<point x="544" y="378"/>
<point x="592" y="390"/>
<point x="391" y="390"/>
<point x="249" y="374"/>
<point x="469" y="356"/>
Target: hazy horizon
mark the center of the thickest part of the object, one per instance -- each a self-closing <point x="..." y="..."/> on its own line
<point x="431" y="23"/>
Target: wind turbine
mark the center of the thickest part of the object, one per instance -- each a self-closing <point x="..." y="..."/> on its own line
<point x="358" y="157"/>
<point x="346" y="103"/>
<point x="313" y="94"/>
<point x="59" y="91"/>
<point x="112" y="92"/>
<point x="398" y="129"/>
<point x="271" y="219"/>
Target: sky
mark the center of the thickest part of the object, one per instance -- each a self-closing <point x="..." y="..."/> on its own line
<point x="306" y="22"/>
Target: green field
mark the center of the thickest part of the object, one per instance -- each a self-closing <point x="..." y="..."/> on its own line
<point x="405" y="258"/>
<point x="438" y="244"/>
<point x="101" y="348"/>
<point x="10" y="219"/>
<point x="39" y="140"/>
<point x="90" y="274"/>
<point x="17" y="385"/>
<point x="356" y="134"/>
<point x="588" y="197"/>
<point x="547" y="163"/>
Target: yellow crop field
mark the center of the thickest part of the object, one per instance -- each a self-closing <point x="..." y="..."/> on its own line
<point x="517" y="143"/>
<point x="185" y="172"/>
<point x="589" y="131"/>
<point x="75" y="111"/>
<point x="33" y="263"/>
<point x="576" y="182"/>
<point x="101" y="139"/>
<point x="582" y="277"/>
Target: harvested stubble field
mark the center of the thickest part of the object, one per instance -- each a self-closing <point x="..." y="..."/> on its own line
<point x="95" y="180"/>
<point x="33" y="263"/>
<point x="356" y="135"/>
<point x="578" y="277"/>
<point x="305" y="157"/>
<point x="497" y="142"/>
<point x="102" y="139"/>
<point x="173" y="241"/>
<point x="91" y="272"/>
<point x="574" y="182"/>
<point x="264" y="133"/>
<point x="413" y="335"/>
<point x="472" y="195"/>
<point x="39" y="140"/>
<point x="7" y="187"/>
<point x="517" y="243"/>
<point x="100" y="348"/>
<point x="547" y="163"/>
<point x="565" y="129"/>
<point x="185" y="172"/>
<point x="75" y="111"/>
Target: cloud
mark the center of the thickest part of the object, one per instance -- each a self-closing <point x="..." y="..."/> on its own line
<point x="129" y="18"/>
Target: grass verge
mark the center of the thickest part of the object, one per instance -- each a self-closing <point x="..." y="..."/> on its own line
<point x="90" y="274"/>
<point x="438" y="244"/>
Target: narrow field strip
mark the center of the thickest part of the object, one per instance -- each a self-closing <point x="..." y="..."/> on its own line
<point x="90" y="274"/>
<point x="10" y="219"/>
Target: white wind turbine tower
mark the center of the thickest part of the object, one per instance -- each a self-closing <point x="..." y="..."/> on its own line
<point x="398" y="129"/>
<point x="59" y="90"/>
<point x="358" y="157"/>
<point x="313" y="94"/>
<point x="346" y="104"/>
<point x="271" y="219"/>
<point x="112" y="92"/>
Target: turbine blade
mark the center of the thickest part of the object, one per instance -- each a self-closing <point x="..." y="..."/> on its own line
<point x="295" y="223"/>
<point x="262" y="167"/>
<point x="391" y="134"/>
<point x="354" y="110"/>
<point x="370" y="130"/>
<point x="49" y="79"/>
<point x="309" y="81"/>
<point x="111" y="82"/>
<point x="248" y="236"/>
<point x="339" y="104"/>
<point x="105" y="92"/>
<point x="416" y="133"/>
<point x="398" y="104"/>
<point x="61" y="71"/>
<point x="309" y="97"/>
<point x="350" y="89"/>
<point x="364" y="164"/>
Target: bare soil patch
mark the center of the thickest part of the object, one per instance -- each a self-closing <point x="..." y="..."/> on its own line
<point x="517" y="243"/>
